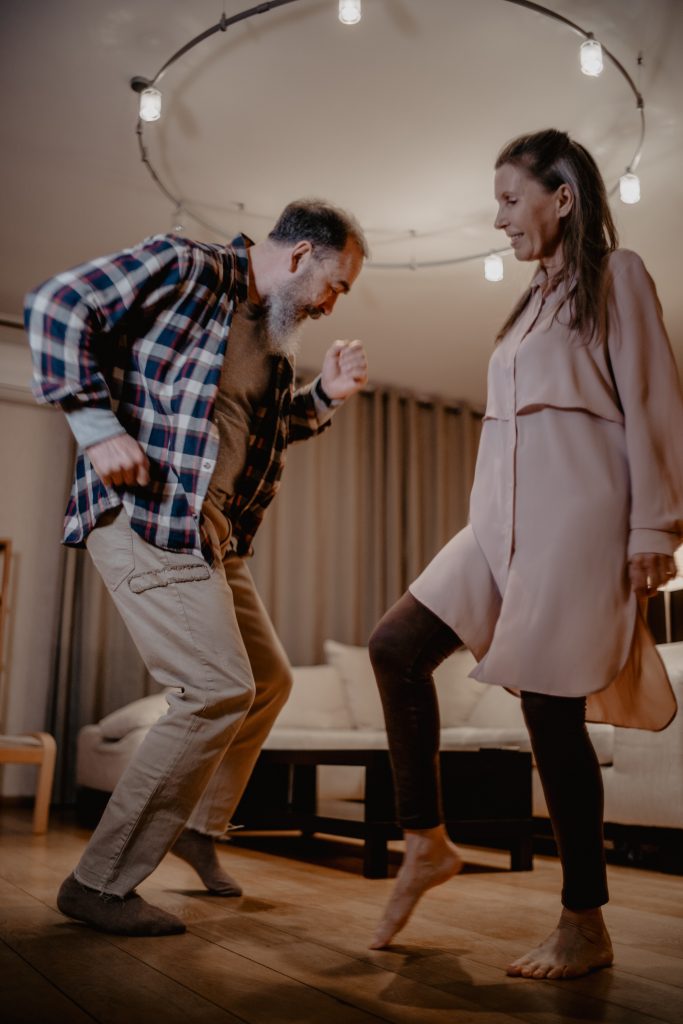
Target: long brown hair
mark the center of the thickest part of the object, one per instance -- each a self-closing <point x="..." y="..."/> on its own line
<point x="553" y="159"/>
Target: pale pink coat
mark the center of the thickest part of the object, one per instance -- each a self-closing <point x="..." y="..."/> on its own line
<point x="580" y="466"/>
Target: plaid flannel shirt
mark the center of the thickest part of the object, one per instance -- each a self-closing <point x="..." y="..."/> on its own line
<point x="144" y="332"/>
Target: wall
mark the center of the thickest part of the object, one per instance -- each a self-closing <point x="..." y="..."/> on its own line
<point x="35" y="466"/>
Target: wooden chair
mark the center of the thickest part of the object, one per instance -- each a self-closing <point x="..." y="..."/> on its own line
<point x="37" y="748"/>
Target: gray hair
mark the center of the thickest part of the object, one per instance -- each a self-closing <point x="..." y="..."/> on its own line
<point x="318" y="222"/>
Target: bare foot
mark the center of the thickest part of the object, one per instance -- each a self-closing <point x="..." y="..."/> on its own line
<point x="430" y="859"/>
<point x="579" y="944"/>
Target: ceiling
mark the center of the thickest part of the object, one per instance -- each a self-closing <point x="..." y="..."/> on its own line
<point x="398" y="118"/>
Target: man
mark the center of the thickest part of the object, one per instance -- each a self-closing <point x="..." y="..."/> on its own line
<point x="174" y="364"/>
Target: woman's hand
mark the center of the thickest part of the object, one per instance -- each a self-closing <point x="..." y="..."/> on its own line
<point x="648" y="571"/>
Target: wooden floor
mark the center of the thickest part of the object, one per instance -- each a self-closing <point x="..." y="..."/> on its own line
<point x="294" y="948"/>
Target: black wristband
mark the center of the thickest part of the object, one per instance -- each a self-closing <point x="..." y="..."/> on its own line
<point x="321" y="393"/>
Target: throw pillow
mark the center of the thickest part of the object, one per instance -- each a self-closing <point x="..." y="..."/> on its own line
<point x="143" y="712"/>
<point x="353" y="665"/>
<point x="317" y="700"/>
<point x="458" y="694"/>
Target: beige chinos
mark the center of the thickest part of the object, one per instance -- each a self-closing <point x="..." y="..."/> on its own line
<point x="204" y="631"/>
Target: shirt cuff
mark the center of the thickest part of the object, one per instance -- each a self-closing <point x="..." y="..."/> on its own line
<point x="90" y="425"/>
<point x="324" y="405"/>
<point x="658" y="542"/>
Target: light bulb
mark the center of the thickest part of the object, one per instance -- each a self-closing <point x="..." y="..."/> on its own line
<point x="493" y="268"/>
<point x="177" y="226"/>
<point x="150" y="104"/>
<point x="349" y="12"/>
<point x="590" y="54"/>
<point x="629" y="188"/>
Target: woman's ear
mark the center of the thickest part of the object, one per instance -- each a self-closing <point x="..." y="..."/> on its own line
<point x="565" y="201"/>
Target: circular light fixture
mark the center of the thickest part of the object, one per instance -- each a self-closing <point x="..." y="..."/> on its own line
<point x="591" y="56"/>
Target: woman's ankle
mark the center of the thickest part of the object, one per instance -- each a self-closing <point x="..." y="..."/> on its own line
<point x="591" y="918"/>
<point x="427" y="841"/>
<point x="435" y="834"/>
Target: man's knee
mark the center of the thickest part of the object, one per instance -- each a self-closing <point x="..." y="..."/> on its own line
<point x="234" y="695"/>
<point x="274" y="686"/>
<point x="281" y="683"/>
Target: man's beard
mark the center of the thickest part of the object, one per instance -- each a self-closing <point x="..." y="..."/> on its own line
<point x="286" y="311"/>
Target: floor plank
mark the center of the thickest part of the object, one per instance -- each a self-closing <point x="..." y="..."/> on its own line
<point x="294" y="950"/>
<point x="26" y="994"/>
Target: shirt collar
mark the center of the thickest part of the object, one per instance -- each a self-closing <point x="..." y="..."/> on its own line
<point x="548" y="285"/>
<point x="239" y="246"/>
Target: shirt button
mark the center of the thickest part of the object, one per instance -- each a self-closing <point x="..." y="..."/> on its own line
<point x="207" y="464"/>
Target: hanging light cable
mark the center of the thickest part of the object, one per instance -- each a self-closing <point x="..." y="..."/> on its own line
<point x="349" y="12"/>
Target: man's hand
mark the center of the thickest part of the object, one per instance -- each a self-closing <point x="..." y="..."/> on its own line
<point x="648" y="571"/>
<point x="345" y="369"/>
<point x="119" y="460"/>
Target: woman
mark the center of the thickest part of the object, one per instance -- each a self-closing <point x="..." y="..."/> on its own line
<point x="576" y="510"/>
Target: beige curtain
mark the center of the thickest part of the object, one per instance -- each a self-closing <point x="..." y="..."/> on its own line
<point x="361" y="511"/>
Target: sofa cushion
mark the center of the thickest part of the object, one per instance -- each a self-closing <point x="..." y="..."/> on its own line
<point x="497" y="709"/>
<point x="466" y="737"/>
<point x="672" y="656"/>
<point x="140" y="713"/>
<point x="457" y="692"/>
<point x="354" y="668"/>
<point x="329" y="739"/>
<point x="317" y="700"/>
<point x="602" y="738"/>
<point x="100" y="763"/>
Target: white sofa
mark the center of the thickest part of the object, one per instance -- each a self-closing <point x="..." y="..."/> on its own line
<point x="336" y="705"/>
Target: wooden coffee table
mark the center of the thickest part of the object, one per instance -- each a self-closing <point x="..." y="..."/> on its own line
<point x="486" y="795"/>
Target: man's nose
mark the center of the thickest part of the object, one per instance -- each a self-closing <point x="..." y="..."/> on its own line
<point x="328" y="304"/>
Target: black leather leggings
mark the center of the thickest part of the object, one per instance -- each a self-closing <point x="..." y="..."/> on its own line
<point x="405" y="648"/>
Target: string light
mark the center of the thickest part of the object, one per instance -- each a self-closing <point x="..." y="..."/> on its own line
<point x="590" y="56"/>
<point x="150" y="104"/>
<point x="629" y="188"/>
<point x="591" y="60"/>
<point x="349" y="12"/>
<point x="177" y="226"/>
<point x="493" y="267"/>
